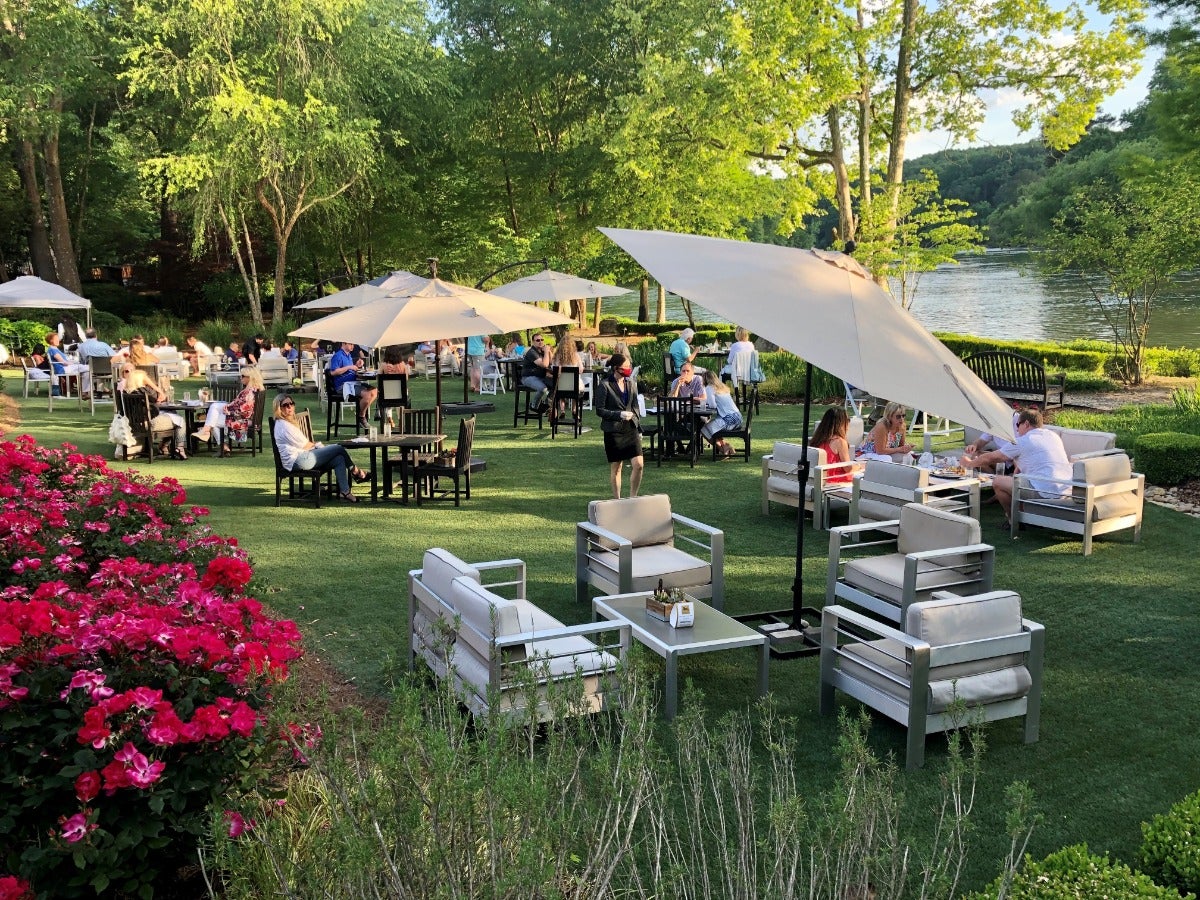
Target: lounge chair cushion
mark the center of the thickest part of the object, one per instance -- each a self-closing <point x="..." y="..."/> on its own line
<point x="986" y="687"/>
<point x="641" y="520"/>
<point x="883" y="576"/>
<point x="1077" y="441"/>
<point x="649" y="564"/>
<point x="1107" y="470"/>
<point x="956" y="620"/>
<point x="440" y="568"/>
<point x="925" y="527"/>
<point x="784" y="465"/>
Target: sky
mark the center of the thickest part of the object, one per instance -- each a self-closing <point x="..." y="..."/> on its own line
<point x="998" y="129"/>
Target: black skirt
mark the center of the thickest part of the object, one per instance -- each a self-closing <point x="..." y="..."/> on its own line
<point x="623" y="444"/>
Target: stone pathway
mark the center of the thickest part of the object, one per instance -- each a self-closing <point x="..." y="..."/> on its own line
<point x="1184" y="499"/>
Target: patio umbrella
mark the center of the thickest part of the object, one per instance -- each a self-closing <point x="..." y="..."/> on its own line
<point x="824" y="307"/>
<point x="555" y="286"/>
<point x="400" y="280"/>
<point x="31" y="292"/>
<point x="440" y="309"/>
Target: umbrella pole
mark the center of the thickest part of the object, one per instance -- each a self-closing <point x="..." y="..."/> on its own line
<point x="437" y="387"/>
<point x="802" y="474"/>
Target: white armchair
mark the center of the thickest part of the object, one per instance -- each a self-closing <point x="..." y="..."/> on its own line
<point x="471" y="624"/>
<point x="780" y="483"/>
<point x="932" y="550"/>
<point x="975" y="649"/>
<point x="1106" y="496"/>
<point x="629" y="545"/>
<point x="882" y="488"/>
<point x="276" y="371"/>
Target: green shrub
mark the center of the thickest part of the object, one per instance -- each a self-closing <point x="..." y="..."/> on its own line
<point x="106" y="324"/>
<point x="1170" y="852"/>
<point x="215" y="333"/>
<point x="1176" y="362"/>
<point x="21" y="336"/>
<point x="1073" y="873"/>
<point x="1089" y="382"/>
<point x="622" y="326"/>
<point x="1186" y="400"/>
<point x="1168" y="457"/>
<point x="1092" y="357"/>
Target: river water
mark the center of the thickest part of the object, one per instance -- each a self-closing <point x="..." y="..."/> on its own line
<point x="1000" y="294"/>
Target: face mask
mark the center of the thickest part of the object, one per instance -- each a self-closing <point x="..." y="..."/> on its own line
<point x="627" y="371"/>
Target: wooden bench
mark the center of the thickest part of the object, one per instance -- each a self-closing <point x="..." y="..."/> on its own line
<point x="1016" y="377"/>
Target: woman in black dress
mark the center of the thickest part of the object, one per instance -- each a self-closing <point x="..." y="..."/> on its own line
<point x="616" y="405"/>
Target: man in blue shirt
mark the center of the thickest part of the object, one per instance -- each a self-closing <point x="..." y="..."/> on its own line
<point x="681" y="349"/>
<point x="91" y="347"/>
<point x="345" y="380"/>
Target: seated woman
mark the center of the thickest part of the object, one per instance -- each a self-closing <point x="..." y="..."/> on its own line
<point x="235" y="416"/>
<point x="592" y="357"/>
<point x="741" y="344"/>
<point x="830" y="436"/>
<point x="888" y="435"/>
<point x="138" y="354"/>
<point x="296" y="451"/>
<point x="566" y="356"/>
<point x="393" y="361"/>
<point x="728" y="415"/>
<point x="135" y="381"/>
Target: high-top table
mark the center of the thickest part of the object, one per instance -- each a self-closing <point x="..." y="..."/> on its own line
<point x="712" y="631"/>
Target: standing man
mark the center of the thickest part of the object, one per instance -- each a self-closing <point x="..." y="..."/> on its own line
<point x="1039" y="455"/>
<point x="535" y="371"/>
<point x="475" y="352"/>
<point x="345" y="379"/>
<point x="681" y="349"/>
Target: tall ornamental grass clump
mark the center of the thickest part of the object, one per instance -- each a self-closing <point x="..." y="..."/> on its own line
<point x="134" y="675"/>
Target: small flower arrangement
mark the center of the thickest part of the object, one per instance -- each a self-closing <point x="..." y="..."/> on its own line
<point x="662" y="600"/>
<point x="135" y="674"/>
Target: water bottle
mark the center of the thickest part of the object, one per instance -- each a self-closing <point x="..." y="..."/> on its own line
<point x="387" y="426"/>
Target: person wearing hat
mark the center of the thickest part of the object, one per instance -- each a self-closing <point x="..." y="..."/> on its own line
<point x="681" y="349"/>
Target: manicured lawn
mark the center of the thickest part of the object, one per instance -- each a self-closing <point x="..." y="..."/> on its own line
<point x="1119" y="720"/>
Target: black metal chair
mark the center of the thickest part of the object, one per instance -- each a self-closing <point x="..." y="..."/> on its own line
<point x="741" y="433"/>
<point x="677" y="425"/>
<point x="524" y="407"/>
<point x="136" y="408"/>
<point x="393" y="394"/>
<point x="295" y="476"/>
<point x="412" y="421"/>
<point x="566" y="401"/>
<point x="333" y="408"/>
<point x="458" y="469"/>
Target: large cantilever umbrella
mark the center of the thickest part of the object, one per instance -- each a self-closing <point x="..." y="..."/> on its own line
<point x="824" y="307"/>
<point x="440" y="309"/>
<point x="398" y="281"/>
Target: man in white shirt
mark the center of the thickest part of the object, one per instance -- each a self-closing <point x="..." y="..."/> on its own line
<point x="1039" y="455"/>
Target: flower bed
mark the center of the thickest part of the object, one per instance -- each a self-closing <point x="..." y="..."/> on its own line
<point x="134" y="674"/>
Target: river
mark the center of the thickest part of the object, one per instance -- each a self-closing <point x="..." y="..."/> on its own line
<point x="1000" y="294"/>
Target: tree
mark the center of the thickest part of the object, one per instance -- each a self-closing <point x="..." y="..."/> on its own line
<point x="1125" y="241"/>
<point x="925" y="232"/>
<point x="274" y="128"/>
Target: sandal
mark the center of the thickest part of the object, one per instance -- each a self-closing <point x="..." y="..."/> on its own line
<point x="359" y="475"/>
<point x="226" y="450"/>
<point x="348" y="497"/>
<point x="203" y="435"/>
<point x="180" y="453"/>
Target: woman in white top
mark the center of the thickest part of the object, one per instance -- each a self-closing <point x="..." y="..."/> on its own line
<point x="741" y="344"/>
<point x="296" y="451"/>
<point x="135" y="381"/>
<point x="728" y="415"/>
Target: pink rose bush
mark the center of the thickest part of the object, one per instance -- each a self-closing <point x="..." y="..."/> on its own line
<point x="134" y="675"/>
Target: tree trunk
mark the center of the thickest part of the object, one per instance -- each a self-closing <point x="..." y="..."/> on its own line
<point x="281" y="243"/>
<point x="864" y="122"/>
<point x="644" y="302"/>
<point x="39" y="240"/>
<point x="596" y="320"/>
<point x="579" y="312"/>
<point x="249" y="276"/>
<point x="844" y="199"/>
<point x="903" y="100"/>
<point x="60" y="220"/>
<point x="661" y="315"/>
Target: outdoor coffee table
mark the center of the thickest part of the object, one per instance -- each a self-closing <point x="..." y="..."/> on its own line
<point x="713" y="631"/>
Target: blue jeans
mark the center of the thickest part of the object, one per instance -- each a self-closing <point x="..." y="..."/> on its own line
<point x="322" y="459"/>
<point x="539" y="386"/>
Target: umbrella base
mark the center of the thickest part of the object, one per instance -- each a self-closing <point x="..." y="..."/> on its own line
<point x="467" y="409"/>
<point x="786" y="641"/>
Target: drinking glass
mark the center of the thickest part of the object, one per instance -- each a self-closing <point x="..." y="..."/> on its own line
<point x="187" y="396"/>
<point x="373" y="433"/>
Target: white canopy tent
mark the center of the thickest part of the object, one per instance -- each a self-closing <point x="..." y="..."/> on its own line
<point x="30" y="292"/>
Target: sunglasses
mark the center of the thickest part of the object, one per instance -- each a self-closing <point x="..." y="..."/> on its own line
<point x="288" y="405"/>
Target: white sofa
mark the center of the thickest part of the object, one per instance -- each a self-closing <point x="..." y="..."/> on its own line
<point x="1078" y="443"/>
<point x="780" y="483"/>
<point x="502" y="652"/>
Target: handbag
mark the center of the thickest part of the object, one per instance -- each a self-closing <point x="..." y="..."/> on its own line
<point x="120" y="432"/>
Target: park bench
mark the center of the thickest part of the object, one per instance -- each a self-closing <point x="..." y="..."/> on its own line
<point x="1016" y="377"/>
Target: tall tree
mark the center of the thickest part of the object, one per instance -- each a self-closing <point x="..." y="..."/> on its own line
<point x="274" y="126"/>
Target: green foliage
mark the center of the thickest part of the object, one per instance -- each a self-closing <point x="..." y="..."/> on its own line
<point x="1131" y="422"/>
<point x="1187" y="400"/>
<point x="1170" y="852"/>
<point x="21" y="336"/>
<point x="1176" y="362"/>
<point x="1072" y="873"/>
<point x="1054" y="356"/>
<point x="1168" y="458"/>
<point x="105" y="323"/>
<point x="215" y="333"/>
<point x="620" y="325"/>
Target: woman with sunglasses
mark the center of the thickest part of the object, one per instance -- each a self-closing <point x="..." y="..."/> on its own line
<point x="233" y="419"/>
<point x="888" y="435"/>
<point x="296" y="451"/>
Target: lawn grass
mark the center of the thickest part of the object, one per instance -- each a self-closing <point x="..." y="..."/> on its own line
<point x="1119" y="719"/>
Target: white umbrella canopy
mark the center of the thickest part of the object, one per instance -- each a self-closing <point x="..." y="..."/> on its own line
<point x="399" y="280"/>
<point x="824" y="307"/>
<point x="440" y="309"/>
<point x="555" y="286"/>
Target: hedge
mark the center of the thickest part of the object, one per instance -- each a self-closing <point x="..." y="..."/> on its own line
<point x="1168" y="457"/>
<point x="1073" y="873"/>
<point x="1170" y="852"/>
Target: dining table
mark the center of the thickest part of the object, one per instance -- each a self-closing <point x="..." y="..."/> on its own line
<point x="193" y="411"/>
<point x="381" y="446"/>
